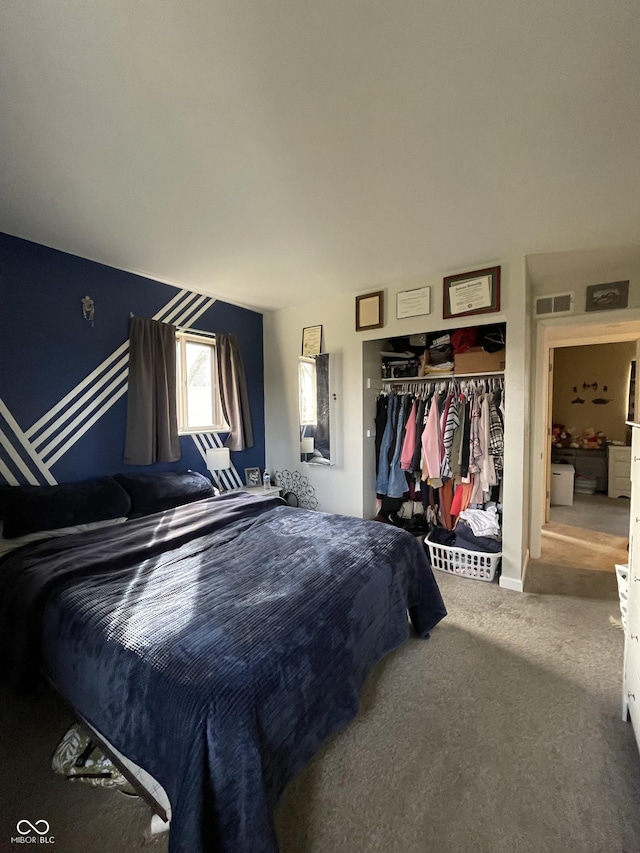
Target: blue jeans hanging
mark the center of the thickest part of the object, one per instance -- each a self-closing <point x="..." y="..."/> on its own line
<point x="382" y="480"/>
<point x="397" y="484"/>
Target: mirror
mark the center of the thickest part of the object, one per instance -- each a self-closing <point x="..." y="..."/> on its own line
<point x="313" y="396"/>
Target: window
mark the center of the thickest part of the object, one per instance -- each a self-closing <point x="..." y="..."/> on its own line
<point x="199" y="403"/>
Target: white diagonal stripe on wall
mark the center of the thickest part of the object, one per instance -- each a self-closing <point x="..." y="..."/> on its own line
<point x="174" y="306"/>
<point x="179" y="295"/>
<point x="17" y="460"/>
<point x="84" y="414"/>
<point x="170" y="317"/>
<point x="87" y="426"/>
<point x="6" y="473"/>
<point x="121" y="366"/>
<point x="201" y="312"/>
<point x="182" y="319"/>
<point x="25" y="443"/>
<point x="76" y="390"/>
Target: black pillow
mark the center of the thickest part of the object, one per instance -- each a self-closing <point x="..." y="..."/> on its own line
<point x="151" y="493"/>
<point x="29" y="509"/>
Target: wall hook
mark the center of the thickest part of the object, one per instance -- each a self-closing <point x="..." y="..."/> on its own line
<point x="88" y="308"/>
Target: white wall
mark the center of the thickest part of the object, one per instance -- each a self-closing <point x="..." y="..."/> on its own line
<point x="347" y="487"/>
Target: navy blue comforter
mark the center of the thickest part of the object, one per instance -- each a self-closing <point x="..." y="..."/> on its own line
<point x="217" y="645"/>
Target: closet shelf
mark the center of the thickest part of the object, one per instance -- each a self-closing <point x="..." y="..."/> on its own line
<point x="439" y="376"/>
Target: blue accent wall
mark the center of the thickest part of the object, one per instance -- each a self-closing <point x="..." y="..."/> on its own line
<point x="48" y="349"/>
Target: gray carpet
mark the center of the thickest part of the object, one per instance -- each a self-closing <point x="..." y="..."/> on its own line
<point x="500" y="733"/>
<point x="595" y="512"/>
<point x="546" y="578"/>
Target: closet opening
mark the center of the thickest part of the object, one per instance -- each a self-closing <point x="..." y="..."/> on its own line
<point x="436" y="408"/>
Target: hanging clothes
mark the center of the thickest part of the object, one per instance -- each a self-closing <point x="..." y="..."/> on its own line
<point x="442" y="443"/>
<point x="431" y="444"/>
<point x="382" y="405"/>
<point x="382" y="480"/>
<point x="409" y="443"/>
<point x="397" y="484"/>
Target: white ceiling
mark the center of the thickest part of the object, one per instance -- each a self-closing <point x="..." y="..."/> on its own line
<point x="276" y="152"/>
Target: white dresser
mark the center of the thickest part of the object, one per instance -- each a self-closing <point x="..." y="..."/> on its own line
<point x="631" y="670"/>
<point x="619" y="468"/>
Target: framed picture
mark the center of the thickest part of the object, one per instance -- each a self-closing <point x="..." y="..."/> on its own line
<point x="413" y="303"/>
<point x="606" y="297"/>
<point x="369" y="311"/>
<point x="476" y="292"/>
<point x="312" y="340"/>
<point x="252" y="476"/>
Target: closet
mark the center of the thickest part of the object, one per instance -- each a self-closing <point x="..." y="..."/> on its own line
<point x="439" y="430"/>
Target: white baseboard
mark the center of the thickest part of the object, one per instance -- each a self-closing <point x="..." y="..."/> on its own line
<point x="511" y="583"/>
<point x="516" y="584"/>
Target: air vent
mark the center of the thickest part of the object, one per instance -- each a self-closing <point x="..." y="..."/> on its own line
<point x="559" y="303"/>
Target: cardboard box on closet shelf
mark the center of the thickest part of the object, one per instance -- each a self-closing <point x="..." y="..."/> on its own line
<point x="477" y="360"/>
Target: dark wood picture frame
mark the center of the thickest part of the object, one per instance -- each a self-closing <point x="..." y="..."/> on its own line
<point x="468" y="290"/>
<point x="370" y="311"/>
<point x="607" y="297"/>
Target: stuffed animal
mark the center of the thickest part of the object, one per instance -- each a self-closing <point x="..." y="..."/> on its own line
<point x="591" y="440"/>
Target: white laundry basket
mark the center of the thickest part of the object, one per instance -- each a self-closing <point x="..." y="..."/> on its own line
<point x="480" y="565"/>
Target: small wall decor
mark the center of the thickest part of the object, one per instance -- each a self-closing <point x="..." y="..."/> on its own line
<point x="413" y="303"/>
<point x="296" y="489"/>
<point x="476" y="292"/>
<point x="606" y="297"/>
<point x="600" y="401"/>
<point x="252" y="476"/>
<point x="88" y="308"/>
<point x="312" y="340"/>
<point x="586" y="385"/>
<point x="369" y="311"/>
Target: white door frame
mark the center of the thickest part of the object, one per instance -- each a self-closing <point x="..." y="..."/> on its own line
<point x="570" y="331"/>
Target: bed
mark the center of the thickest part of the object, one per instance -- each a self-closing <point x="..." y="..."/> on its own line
<point x="216" y="644"/>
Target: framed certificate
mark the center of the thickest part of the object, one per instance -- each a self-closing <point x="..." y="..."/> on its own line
<point x="476" y="292"/>
<point x="311" y="340"/>
<point x="413" y="303"/>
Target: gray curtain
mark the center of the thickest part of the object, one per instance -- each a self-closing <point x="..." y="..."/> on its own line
<point x="152" y="419"/>
<point x="233" y="391"/>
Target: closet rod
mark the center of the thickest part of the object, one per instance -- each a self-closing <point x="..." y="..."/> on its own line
<point x="442" y="378"/>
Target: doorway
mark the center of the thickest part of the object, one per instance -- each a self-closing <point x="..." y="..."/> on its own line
<point x="580" y="540"/>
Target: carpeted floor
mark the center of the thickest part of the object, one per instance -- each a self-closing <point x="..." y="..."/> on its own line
<point x="576" y="562"/>
<point x="501" y="733"/>
<point x="596" y="512"/>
